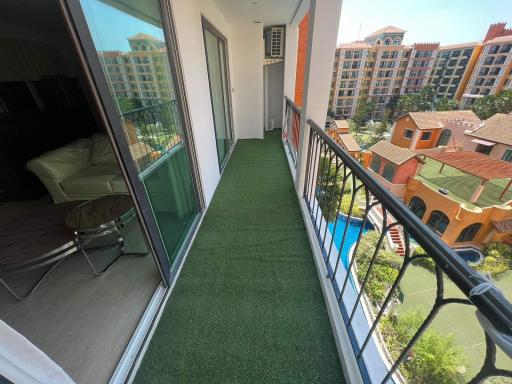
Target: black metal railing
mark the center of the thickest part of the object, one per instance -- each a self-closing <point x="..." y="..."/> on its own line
<point x="342" y="199"/>
<point x="291" y="128"/>
<point x="152" y="131"/>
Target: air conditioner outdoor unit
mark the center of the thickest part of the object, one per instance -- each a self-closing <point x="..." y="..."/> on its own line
<point x="274" y="42"/>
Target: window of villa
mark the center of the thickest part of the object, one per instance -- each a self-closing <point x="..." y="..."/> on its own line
<point x="426" y="135"/>
<point x="507" y="156"/>
<point x="444" y="137"/>
<point x="375" y="165"/>
<point x="438" y="221"/>
<point x="389" y="172"/>
<point x="484" y="149"/>
<point x="417" y="206"/>
<point x="408" y="133"/>
<point x="468" y="233"/>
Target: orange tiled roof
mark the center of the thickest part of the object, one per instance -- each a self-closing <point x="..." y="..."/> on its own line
<point x="501" y="39"/>
<point x="391" y="152"/>
<point x="144" y="36"/>
<point x="349" y="142"/>
<point x="497" y="128"/>
<point x="503" y="226"/>
<point x="354" y="45"/>
<point x="474" y="163"/>
<point x="388" y="29"/>
<point x="436" y="120"/>
<point x="341" y="123"/>
<point x="457" y="46"/>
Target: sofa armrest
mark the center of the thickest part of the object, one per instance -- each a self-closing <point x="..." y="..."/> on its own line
<point x="63" y="162"/>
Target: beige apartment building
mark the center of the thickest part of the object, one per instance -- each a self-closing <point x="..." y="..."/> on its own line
<point x="140" y="73"/>
<point x="492" y="71"/>
<point x="380" y="68"/>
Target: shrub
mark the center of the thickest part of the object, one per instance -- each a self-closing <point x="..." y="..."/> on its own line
<point x="425" y="262"/>
<point x="434" y="359"/>
<point x="345" y="206"/>
<point x="384" y="270"/>
<point x="497" y="260"/>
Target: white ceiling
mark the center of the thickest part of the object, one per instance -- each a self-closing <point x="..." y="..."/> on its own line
<point x="269" y="12"/>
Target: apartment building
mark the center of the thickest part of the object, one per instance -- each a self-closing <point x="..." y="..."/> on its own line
<point x="371" y="68"/>
<point x="452" y="68"/>
<point x="382" y="69"/>
<point x="492" y="71"/>
<point x="140" y="73"/>
<point x="419" y="67"/>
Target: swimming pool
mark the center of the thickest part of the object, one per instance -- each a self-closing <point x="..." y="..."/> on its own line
<point x="470" y="255"/>
<point x="352" y="233"/>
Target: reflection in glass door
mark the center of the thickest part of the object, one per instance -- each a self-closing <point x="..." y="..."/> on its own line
<point x="216" y="59"/>
<point x="129" y="40"/>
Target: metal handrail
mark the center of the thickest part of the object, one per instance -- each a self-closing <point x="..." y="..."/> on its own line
<point x="492" y="304"/>
<point x="148" y="107"/>
<point x="292" y="104"/>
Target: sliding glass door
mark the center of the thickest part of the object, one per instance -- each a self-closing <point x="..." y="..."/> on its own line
<point x="128" y="57"/>
<point x="218" y="75"/>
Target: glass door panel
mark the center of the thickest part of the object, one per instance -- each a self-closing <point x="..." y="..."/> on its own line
<point x="130" y="43"/>
<point x="216" y="58"/>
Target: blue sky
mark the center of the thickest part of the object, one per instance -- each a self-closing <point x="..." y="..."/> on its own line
<point x="110" y="28"/>
<point x="443" y="21"/>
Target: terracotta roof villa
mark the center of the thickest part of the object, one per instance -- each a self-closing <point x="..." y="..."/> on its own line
<point x="349" y="142"/>
<point x="433" y="120"/>
<point x="497" y="128"/>
<point x="388" y="151"/>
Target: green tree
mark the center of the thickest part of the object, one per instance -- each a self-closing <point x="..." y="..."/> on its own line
<point x="384" y="270"/>
<point x="416" y="102"/>
<point x="377" y="132"/>
<point x="127" y="104"/>
<point x="489" y="105"/>
<point x="363" y="114"/>
<point x="446" y="104"/>
<point x="435" y="358"/>
<point x="329" y="188"/>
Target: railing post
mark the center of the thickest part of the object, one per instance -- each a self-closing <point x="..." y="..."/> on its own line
<point x="324" y="18"/>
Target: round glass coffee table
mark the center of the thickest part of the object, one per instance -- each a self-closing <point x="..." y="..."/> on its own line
<point x="98" y="218"/>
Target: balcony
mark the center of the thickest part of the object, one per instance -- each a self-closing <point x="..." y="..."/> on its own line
<point x="248" y="305"/>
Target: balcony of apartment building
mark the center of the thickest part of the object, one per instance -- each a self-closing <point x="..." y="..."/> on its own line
<point x="266" y="251"/>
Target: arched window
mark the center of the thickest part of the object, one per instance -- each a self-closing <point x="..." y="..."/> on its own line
<point x="388" y="172"/>
<point x="396" y="42"/>
<point x="417" y="206"/>
<point x="444" y="137"/>
<point x="375" y="165"/>
<point x="469" y="233"/>
<point x="387" y="42"/>
<point x="438" y="221"/>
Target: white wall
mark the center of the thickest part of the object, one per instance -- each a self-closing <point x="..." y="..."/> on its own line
<point x="290" y="61"/>
<point x="187" y="18"/>
<point x="247" y="53"/>
<point x="245" y="50"/>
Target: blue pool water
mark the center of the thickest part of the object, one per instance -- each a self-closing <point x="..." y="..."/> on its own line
<point x="352" y="233"/>
<point x="470" y="255"/>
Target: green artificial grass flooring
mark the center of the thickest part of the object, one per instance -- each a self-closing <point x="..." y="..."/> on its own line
<point x="247" y="307"/>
